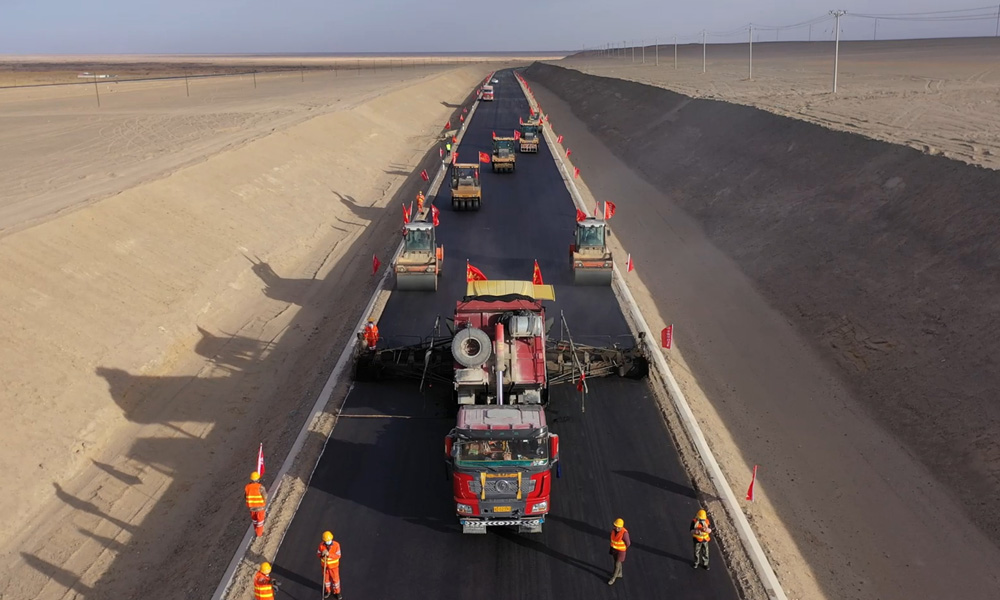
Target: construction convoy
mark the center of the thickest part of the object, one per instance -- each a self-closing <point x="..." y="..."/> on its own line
<point x="498" y="359"/>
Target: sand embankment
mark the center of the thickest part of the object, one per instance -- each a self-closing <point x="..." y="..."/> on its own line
<point x="152" y="339"/>
<point x="835" y="304"/>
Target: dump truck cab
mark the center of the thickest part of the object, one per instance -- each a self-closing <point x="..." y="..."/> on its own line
<point x="466" y="187"/>
<point x="419" y="264"/>
<point x="590" y="258"/>
<point x="504" y="156"/>
<point x="487" y="93"/>
<point x="531" y="131"/>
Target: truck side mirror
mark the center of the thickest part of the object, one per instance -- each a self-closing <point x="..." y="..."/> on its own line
<point x="554" y="447"/>
<point x="449" y="443"/>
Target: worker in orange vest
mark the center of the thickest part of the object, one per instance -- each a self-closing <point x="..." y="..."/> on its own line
<point x="329" y="557"/>
<point x="420" y="202"/>
<point x="619" y="544"/>
<point x="256" y="496"/>
<point x="263" y="584"/>
<point x="701" y="531"/>
<point x="371" y="333"/>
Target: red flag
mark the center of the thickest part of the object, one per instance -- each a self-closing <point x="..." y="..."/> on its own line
<point x="580" y="384"/>
<point x="667" y="336"/>
<point x="576" y="172"/>
<point x="753" y="479"/>
<point x="434" y="213"/>
<point x="559" y="140"/>
<point x="260" y="459"/>
<point x="609" y="210"/>
<point x="536" y="276"/>
<point x="568" y="152"/>
<point x="461" y="118"/>
<point x="454" y="139"/>
<point x="406" y="215"/>
<point x="473" y="274"/>
<point x="441" y="152"/>
<point x="447" y="125"/>
<point x="580" y="215"/>
<point x="424" y="176"/>
<point x="631" y="265"/>
<point x="454" y="157"/>
<point x="494" y="135"/>
<point x="484" y="158"/>
<point x="517" y="135"/>
<point x="465" y="110"/>
<point x="520" y="120"/>
<point x="531" y="111"/>
<point x="596" y="206"/>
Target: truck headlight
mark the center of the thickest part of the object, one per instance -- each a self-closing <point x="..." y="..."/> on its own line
<point x="540" y="506"/>
<point x="463" y="509"/>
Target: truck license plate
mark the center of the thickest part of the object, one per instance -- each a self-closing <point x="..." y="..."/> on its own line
<point x="505" y="509"/>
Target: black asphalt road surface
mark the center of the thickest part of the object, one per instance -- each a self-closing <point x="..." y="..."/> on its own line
<point x="381" y="484"/>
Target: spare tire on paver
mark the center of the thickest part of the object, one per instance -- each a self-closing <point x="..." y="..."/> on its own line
<point x="471" y="347"/>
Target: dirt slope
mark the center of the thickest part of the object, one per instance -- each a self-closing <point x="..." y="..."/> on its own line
<point x="151" y="340"/>
<point x="836" y="301"/>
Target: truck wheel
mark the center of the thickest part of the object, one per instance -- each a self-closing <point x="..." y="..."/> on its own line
<point x="471" y="347"/>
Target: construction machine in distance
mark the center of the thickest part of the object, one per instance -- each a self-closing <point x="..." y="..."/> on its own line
<point x="589" y="256"/>
<point x="500" y="363"/>
<point x="419" y="264"/>
<point x="504" y="155"/>
<point x="487" y="93"/>
<point x="466" y="187"/>
<point x="531" y="130"/>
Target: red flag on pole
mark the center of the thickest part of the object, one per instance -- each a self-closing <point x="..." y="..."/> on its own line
<point x="260" y="459"/>
<point x="484" y="158"/>
<point x="406" y="215"/>
<point x="580" y="383"/>
<point x="536" y="276"/>
<point x="576" y="172"/>
<point x="520" y="120"/>
<point x="424" y="176"/>
<point x="441" y="152"/>
<point x="461" y="118"/>
<point x="609" y="210"/>
<point x="559" y="140"/>
<point x="494" y="135"/>
<point x="517" y="135"/>
<point x="454" y="157"/>
<point x="596" y="206"/>
<point x="447" y="125"/>
<point x="580" y="215"/>
<point x="631" y="265"/>
<point x="465" y="110"/>
<point x="753" y="479"/>
<point x="667" y="336"/>
<point x="434" y="213"/>
<point x="531" y="111"/>
<point x="454" y="139"/>
<point x="473" y="274"/>
<point x="568" y="152"/>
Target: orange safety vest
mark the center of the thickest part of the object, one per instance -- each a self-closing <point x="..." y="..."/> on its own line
<point x="420" y="202"/>
<point x="332" y="558"/>
<point x="254" y="493"/>
<point x="262" y="588"/>
<point x="618" y="540"/>
<point x="371" y="334"/>
<point x="700" y="531"/>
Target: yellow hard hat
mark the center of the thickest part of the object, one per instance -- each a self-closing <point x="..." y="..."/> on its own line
<point x="265" y="567"/>
<point x="327" y="536"/>
<point x="619" y="523"/>
<point x="255" y="476"/>
<point x="371" y="319"/>
<point x="702" y="514"/>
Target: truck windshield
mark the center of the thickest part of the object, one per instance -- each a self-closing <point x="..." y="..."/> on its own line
<point x="418" y="240"/>
<point x="465" y="176"/>
<point x="494" y="452"/>
<point x="590" y="236"/>
<point x="529" y="130"/>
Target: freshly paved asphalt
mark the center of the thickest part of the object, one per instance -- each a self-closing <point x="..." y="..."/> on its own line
<point x="380" y="485"/>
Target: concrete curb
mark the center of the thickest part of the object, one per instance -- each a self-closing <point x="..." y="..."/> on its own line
<point x="753" y="548"/>
<point x="326" y="394"/>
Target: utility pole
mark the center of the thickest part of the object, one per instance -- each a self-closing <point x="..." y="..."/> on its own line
<point x="875" y="34"/>
<point x="97" y="91"/>
<point x="836" y="48"/>
<point x="633" y="51"/>
<point x="704" y="51"/>
<point x="255" y="80"/>
<point x="998" y="21"/>
<point x="675" y="52"/>
<point x="656" y="41"/>
<point x="643" y="51"/>
<point x="751" y="52"/>
<point x="187" y="88"/>
<point x="810" y="33"/>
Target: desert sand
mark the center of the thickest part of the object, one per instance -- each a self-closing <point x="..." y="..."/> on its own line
<point x="175" y="272"/>
<point x="834" y="304"/>
<point x="938" y="96"/>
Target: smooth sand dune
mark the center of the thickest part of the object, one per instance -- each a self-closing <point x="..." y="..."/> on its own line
<point x="153" y="338"/>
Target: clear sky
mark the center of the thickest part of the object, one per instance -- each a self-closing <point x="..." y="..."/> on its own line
<point x="294" y="26"/>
